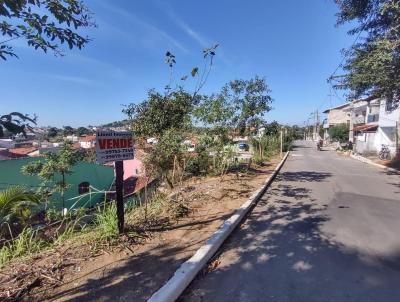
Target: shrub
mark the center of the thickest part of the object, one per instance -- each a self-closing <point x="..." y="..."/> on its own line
<point x="339" y="133"/>
<point x="16" y="208"/>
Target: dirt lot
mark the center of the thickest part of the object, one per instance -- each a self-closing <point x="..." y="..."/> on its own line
<point x="141" y="266"/>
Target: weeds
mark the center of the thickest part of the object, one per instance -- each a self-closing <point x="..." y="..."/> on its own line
<point x="26" y="244"/>
<point x="160" y="210"/>
<point x="106" y="221"/>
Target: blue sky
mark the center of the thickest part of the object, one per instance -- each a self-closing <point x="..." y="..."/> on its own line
<point x="293" y="44"/>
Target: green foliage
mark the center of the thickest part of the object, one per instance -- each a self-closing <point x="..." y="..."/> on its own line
<point x="266" y="146"/>
<point x="215" y="111"/>
<point x="160" y="113"/>
<point x="44" y="24"/>
<point x="200" y="163"/>
<point x="82" y="130"/>
<point x="52" y="132"/>
<point x="53" y="214"/>
<point x="16" y="122"/>
<point x="339" y="133"/>
<point x="25" y="244"/>
<point x="240" y="104"/>
<point x="165" y="153"/>
<point x="16" y="207"/>
<point x="251" y="99"/>
<point x="106" y="221"/>
<point x="272" y="129"/>
<point x="54" y="169"/>
<point x="372" y="65"/>
<point x="68" y="130"/>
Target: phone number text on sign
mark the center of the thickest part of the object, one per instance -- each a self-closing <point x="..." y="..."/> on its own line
<point x="113" y="146"/>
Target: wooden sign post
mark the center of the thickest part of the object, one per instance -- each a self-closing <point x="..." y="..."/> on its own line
<point x="119" y="193"/>
<point x="116" y="147"/>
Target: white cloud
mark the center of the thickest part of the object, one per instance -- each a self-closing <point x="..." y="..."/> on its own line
<point x="71" y="79"/>
<point x="195" y="35"/>
<point x="152" y="29"/>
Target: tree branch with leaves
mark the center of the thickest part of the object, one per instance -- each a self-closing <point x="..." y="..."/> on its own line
<point x="43" y="24"/>
<point x="16" y="123"/>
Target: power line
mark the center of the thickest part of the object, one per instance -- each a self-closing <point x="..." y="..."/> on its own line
<point x="352" y="45"/>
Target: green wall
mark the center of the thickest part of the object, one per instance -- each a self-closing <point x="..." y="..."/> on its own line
<point x="100" y="177"/>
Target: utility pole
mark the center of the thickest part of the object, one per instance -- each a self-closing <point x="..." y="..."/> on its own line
<point x="281" y="143"/>
<point x="315" y="116"/>
<point x="397" y="140"/>
<point x="317" y="125"/>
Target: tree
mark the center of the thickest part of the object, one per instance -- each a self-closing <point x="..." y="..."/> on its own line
<point x="68" y="130"/>
<point x="165" y="155"/>
<point x="54" y="169"/>
<point x="272" y="129"/>
<point x="159" y="113"/>
<point x="216" y="113"/>
<point x="16" y="123"/>
<point x="82" y="130"/>
<point x="339" y="133"/>
<point x="44" y="24"/>
<point x="16" y="206"/>
<point x="373" y="64"/>
<point x="52" y="132"/>
<point x="251" y="99"/>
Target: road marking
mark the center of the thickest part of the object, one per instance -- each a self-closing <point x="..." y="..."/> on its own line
<point x="296" y="155"/>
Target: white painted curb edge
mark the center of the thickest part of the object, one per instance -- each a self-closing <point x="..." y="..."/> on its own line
<point x="368" y="161"/>
<point x="189" y="269"/>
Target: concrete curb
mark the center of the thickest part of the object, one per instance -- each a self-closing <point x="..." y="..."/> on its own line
<point x="370" y="162"/>
<point x="189" y="269"/>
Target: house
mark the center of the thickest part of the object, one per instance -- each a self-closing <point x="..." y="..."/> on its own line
<point x="72" y="138"/>
<point x="336" y="116"/>
<point x="87" y="141"/>
<point x="87" y="183"/>
<point x="7" y="143"/>
<point x="46" y="147"/>
<point x="373" y="123"/>
<point x="23" y="152"/>
<point x="387" y="133"/>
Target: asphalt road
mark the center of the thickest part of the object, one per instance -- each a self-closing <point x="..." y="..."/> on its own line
<point x="328" y="229"/>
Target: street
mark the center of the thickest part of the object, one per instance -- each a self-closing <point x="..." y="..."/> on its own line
<point x="328" y="229"/>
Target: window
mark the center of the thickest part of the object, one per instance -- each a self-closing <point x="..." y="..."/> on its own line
<point x="83" y="187"/>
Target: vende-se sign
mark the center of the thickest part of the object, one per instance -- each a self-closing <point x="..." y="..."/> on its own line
<point x="113" y="146"/>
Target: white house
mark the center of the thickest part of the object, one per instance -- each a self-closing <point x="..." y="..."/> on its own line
<point x="88" y="141"/>
<point x="72" y="138"/>
<point x="7" y="143"/>
<point x="373" y="124"/>
<point x="389" y="116"/>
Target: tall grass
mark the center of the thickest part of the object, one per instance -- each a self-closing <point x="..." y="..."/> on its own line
<point x="106" y="221"/>
<point x="25" y="244"/>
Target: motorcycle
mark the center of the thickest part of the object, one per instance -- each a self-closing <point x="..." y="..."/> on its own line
<point x="384" y="154"/>
<point x="319" y="145"/>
